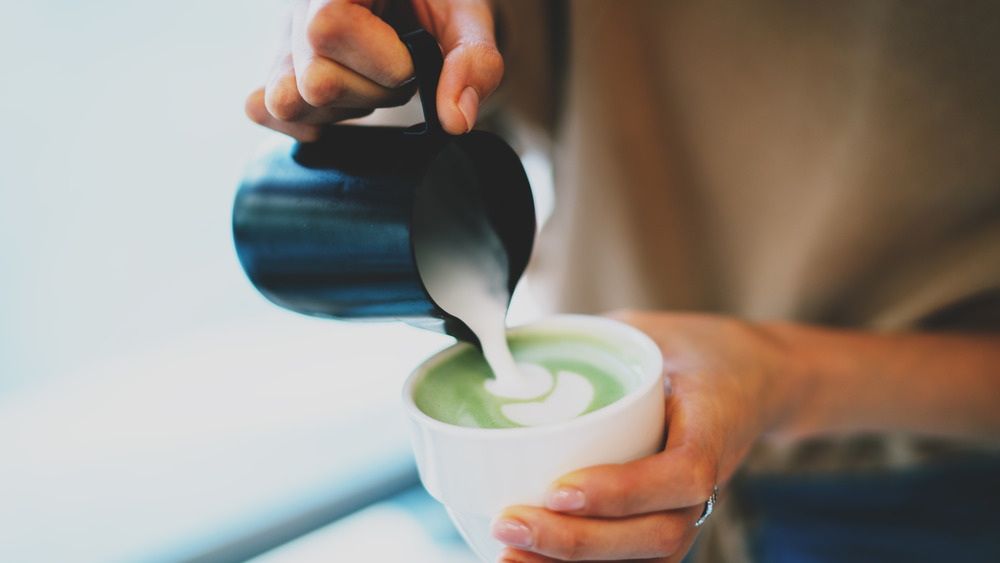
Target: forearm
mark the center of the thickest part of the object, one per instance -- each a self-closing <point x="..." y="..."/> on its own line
<point x="922" y="383"/>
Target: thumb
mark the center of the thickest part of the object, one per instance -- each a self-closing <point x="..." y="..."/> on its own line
<point x="472" y="68"/>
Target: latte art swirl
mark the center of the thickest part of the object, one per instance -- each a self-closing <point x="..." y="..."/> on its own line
<point x="569" y="399"/>
<point x="582" y="377"/>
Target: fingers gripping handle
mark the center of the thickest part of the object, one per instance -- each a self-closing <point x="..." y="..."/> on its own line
<point x="427" y="63"/>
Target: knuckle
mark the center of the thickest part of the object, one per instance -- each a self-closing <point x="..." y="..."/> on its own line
<point x="397" y="77"/>
<point x="623" y="495"/>
<point x="628" y="503"/>
<point x="702" y="480"/>
<point x="326" y="29"/>
<point x="256" y="109"/>
<point x="487" y="61"/>
<point x="612" y="491"/>
<point x="613" y="498"/>
<point x="282" y="100"/>
<point x="320" y="88"/>
<point x="488" y="56"/>
<point x="668" y="539"/>
<point x="567" y="545"/>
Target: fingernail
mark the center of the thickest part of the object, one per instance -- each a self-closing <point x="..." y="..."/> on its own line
<point x="468" y="104"/>
<point x="511" y="532"/>
<point x="564" y="498"/>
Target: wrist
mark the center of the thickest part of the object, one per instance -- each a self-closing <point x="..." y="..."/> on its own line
<point x="797" y="381"/>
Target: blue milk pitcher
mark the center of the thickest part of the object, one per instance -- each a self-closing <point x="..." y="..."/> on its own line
<point x="327" y="228"/>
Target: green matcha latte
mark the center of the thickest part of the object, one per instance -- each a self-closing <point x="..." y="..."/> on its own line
<point x="586" y="376"/>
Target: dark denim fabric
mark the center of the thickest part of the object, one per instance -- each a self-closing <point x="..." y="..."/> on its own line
<point x="943" y="512"/>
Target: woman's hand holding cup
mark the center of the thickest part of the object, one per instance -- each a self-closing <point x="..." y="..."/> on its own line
<point x="727" y="383"/>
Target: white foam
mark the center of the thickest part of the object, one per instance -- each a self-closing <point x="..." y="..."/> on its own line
<point x="570" y="398"/>
<point x="531" y="381"/>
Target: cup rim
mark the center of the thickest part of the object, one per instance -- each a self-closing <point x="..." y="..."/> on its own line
<point x="567" y="322"/>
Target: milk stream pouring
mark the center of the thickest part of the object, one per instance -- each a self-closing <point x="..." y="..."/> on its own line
<point x="334" y="228"/>
<point x="465" y="268"/>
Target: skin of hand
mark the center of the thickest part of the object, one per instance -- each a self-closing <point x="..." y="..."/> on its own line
<point x="342" y="58"/>
<point x="732" y="382"/>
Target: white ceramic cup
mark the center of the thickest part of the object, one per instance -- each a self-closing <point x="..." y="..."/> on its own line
<point x="476" y="472"/>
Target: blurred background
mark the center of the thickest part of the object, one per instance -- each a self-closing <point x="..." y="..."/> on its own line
<point x="153" y="406"/>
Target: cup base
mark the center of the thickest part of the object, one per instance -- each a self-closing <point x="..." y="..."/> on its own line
<point x="476" y="531"/>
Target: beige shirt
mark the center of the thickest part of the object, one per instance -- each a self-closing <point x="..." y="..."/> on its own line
<point x="828" y="162"/>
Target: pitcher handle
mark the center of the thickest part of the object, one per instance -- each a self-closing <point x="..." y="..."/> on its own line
<point x="427" y="63"/>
